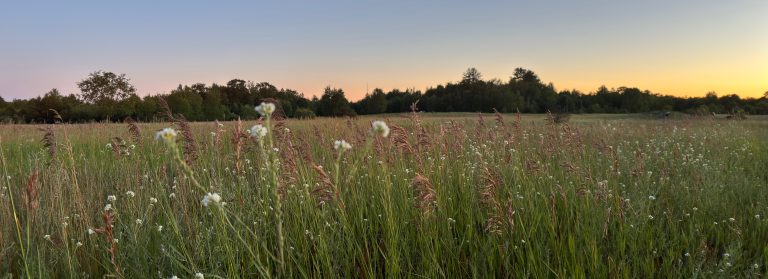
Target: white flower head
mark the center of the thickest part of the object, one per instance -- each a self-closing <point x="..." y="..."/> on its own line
<point x="211" y="198"/>
<point x="152" y="200"/>
<point x="258" y="131"/>
<point x="380" y="128"/>
<point x="108" y="207"/>
<point x="159" y="228"/>
<point x="111" y="198"/>
<point x="139" y="221"/>
<point x="651" y="198"/>
<point x="130" y="194"/>
<point x="47" y="237"/>
<point x="199" y="276"/>
<point x="91" y="231"/>
<point x="167" y="134"/>
<point x="265" y="109"/>
<point x="341" y="145"/>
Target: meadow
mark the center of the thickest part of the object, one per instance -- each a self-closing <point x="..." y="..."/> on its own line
<point x="430" y="196"/>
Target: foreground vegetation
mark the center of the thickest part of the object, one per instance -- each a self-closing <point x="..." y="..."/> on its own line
<point x="436" y="196"/>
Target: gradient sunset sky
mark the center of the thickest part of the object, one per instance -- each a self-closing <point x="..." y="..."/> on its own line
<point x="683" y="48"/>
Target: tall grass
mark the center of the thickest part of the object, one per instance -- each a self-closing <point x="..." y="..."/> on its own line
<point x="440" y="196"/>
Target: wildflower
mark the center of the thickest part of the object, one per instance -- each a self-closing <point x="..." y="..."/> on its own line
<point x="172" y="195"/>
<point x="199" y="276"/>
<point x="78" y="244"/>
<point x="341" y="144"/>
<point x="174" y="277"/>
<point x="755" y="266"/>
<point x="111" y="198"/>
<point x="159" y="228"/>
<point x="695" y="208"/>
<point x="732" y="219"/>
<point x="109" y="146"/>
<point x="152" y="200"/>
<point x="167" y="134"/>
<point x="115" y="240"/>
<point x="130" y="194"/>
<point x="265" y="109"/>
<point x="108" y="207"/>
<point x="258" y="131"/>
<point x="91" y="231"/>
<point x="726" y="255"/>
<point x="211" y="198"/>
<point x="687" y="254"/>
<point x="757" y="216"/>
<point x="139" y="222"/>
<point x="651" y="198"/>
<point x="380" y="128"/>
<point x="650" y="217"/>
<point x="47" y="237"/>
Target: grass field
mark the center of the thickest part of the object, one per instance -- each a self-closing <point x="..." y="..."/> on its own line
<point x="443" y="195"/>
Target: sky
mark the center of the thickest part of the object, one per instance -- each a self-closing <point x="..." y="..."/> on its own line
<point x="682" y="48"/>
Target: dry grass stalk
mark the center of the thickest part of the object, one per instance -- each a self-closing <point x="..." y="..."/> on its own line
<point x="425" y="194"/>
<point x="399" y="137"/>
<point x="238" y="142"/>
<point x="108" y="231"/>
<point x="190" y="146"/>
<point x="119" y="147"/>
<point x="326" y="190"/>
<point x="134" y="130"/>
<point x="218" y="130"/>
<point x="488" y="197"/>
<point x="31" y="194"/>
<point x="49" y="142"/>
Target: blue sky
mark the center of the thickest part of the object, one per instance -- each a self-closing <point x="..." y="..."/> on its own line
<point x="671" y="47"/>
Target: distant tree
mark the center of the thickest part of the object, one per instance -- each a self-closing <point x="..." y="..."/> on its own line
<point x="526" y="75"/>
<point x="334" y="103"/>
<point x="102" y="86"/>
<point x="471" y="76"/>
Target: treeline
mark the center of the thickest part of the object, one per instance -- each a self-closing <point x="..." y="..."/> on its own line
<point x="107" y="96"/>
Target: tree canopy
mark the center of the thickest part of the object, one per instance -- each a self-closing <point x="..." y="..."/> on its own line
<point x="110" y="96"/>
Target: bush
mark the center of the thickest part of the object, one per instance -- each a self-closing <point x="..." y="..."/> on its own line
<point x="303" y="113"/>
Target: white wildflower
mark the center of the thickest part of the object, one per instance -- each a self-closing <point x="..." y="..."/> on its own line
<point x="265" y="109"/>
<point x="341" y="145"/>
<point x="651" y="198"/>
<point x="258" y="131"/>
<point x="139" y="222"/>
<point x="174" y="277"/>
<point x="91" y="231"/>
<point x="211" y="198"/>
<point x="130" y="194"/>
<point x="167" y="134"/>
<point x="78" y="244"/>
<point x="108" y="207"/>
<point x="152" y="200"/>
<point x="199" y="276"/>
<point x="111" y="198"/>
<point x="47" y="237"/>
<point x="159" y="228"/>
<point x="380" y="128"/>
<point x="172" y="195"/>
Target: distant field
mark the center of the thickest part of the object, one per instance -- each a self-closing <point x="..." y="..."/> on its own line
<point x="443" y="195"/>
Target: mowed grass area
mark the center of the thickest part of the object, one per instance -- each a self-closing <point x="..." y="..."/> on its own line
<point x="443" y="196"/>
